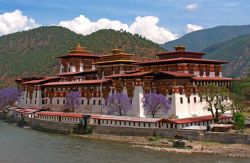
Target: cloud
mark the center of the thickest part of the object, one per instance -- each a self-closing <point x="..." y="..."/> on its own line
<point x="193" y="27"/>
<point x="82" y="25"/>
<point x="15" y="21"/>
<point x="145" y="26"/>
<point x="192" y="7"/>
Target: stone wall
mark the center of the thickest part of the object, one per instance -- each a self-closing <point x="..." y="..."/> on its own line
<point x="53" y="126"/>
<point x="173" y="133"/>
<point x="128" y="131"/>
<point x="227" y="137"/>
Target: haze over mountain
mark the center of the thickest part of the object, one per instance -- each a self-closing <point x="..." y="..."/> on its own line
<point x="34" y="52"/>
<point x="199" y="40"/>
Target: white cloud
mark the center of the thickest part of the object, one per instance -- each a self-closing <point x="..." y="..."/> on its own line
<point x="193" y="27"/>
<point x="15" y="21"/>
<point x="82" y="25"/>
<point x="192" y="7"/>
<point x="145" y="26"/>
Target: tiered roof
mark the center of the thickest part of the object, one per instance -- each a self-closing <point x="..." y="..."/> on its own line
<point x="40" y="81"/>
<point x="77" y="73"/>
<point x="151" y="73"/>
<point x="116" y="57"/>
<point x="180" y="51"/>
<point x="83" y="82"/>
<point x="80" y="52"/>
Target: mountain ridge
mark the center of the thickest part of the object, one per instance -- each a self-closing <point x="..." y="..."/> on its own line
<point x="199" y="40"/>
<point x="34" y="52"/>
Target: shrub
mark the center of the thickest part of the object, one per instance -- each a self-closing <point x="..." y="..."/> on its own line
<point x="239" y="120"/>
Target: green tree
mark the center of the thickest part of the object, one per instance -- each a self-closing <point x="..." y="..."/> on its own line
<point x="216" y="99"/>
<point x="240" y="121"/>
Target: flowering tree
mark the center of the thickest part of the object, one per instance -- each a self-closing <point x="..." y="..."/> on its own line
<point x="9" y="96"/>
<point x="154" y="103"/>
<point x="72" y="101"/>
<point x="118" y="103"/>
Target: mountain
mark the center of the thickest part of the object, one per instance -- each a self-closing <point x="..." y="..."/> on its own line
<point x="236" y="51"/>
<point x="199" y="40"/>
<point x="34" y="52"/>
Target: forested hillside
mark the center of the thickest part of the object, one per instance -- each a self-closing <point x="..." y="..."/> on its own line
<point x="236" y="51"/>
<point x="34" y="52"/>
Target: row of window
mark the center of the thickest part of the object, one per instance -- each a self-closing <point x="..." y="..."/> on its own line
<point x="94" y="102"/>
<point x="188" y="100"/>
<point x="125" y="123"/>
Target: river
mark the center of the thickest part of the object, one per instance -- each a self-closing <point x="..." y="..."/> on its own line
<point x="29" y="146"/>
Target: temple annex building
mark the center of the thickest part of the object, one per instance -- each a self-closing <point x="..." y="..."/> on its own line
<point x="179" y="75"/>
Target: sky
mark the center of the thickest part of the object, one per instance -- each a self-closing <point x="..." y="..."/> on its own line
<point x="157" y="20"/>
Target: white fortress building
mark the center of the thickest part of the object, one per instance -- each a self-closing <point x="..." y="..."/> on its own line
<point x="178" y="75"/>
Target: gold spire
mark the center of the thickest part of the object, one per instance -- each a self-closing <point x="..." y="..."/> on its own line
<point x="180" y="48"/>
<point x="116" y="51"/>
<point x="79" y="49"/>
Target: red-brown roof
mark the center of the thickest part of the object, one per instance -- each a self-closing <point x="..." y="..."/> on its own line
<point x="61" y="114"/>
<point x="80" y="55"/>
<point x="137" y="74"/>
<point x="26" y="111"/>
<point x="78" y="82"/>
<point x="177" y="74"/>
<point x="194" y="119"/>
<point x="77" y="73"/>
<point x="180" y="52"/>
<point x="182" y="60"/>
<point x="212" y="78"/>
<point x="40" y="80"/>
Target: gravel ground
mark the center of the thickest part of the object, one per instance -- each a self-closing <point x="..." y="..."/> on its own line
<point x="162" y="144"/>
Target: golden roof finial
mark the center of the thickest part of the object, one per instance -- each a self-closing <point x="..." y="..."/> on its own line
<point x="180" y="47"/>
<point x="78" y="49"/>
<point x="116" y="51"/>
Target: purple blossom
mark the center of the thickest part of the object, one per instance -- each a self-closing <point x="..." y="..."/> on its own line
<point x="118" y="103"/>
<point x="73" y="100"/>
<point x="9" y="96"/>
<point x="154" y="103"/>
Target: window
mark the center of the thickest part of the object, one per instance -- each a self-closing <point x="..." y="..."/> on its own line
<point x="82" y="102"/>
<point x="88" y="102"/>
<point x="200" y="99"/>
<point x="93" y="102"/>
<point x="181" y="100"/>
<point x="195" y="100"/>
<point x="63" y="101"/>
<point x="100" y="102"/>
<point x="188" y="99"/>
<point x="58" y="101"/>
